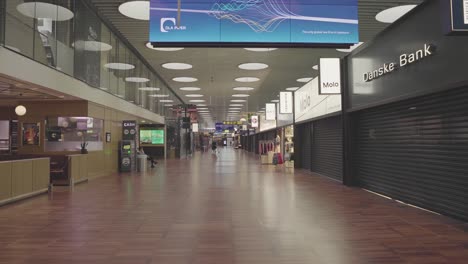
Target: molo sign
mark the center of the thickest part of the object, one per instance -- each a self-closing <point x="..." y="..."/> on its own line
<point x="310" y="104"/>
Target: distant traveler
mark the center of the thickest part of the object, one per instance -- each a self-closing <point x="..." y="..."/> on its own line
<point x="142" y="152"/>
<point x="213" y="146"/>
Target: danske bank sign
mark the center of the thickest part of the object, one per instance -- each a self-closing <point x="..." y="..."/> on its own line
<point x="405" y="60"/>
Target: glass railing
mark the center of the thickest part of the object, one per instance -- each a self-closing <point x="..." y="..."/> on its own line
<point x="68" y="36"/>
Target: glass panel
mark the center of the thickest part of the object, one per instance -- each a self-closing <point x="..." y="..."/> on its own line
<point x="62" y="31"/>
<point x="19" y="29"/>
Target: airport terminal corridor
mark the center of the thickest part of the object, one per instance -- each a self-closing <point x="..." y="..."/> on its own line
<point x="224" y="208"/>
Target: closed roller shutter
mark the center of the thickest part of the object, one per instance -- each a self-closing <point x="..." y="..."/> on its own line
<point x="305" y="143"/>
<point x="327" y="149"/>
<point x="416" y="151"/>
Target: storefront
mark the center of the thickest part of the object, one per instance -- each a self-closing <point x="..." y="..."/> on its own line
<point x="319" y="131"/>
<point x="408" y="114"/>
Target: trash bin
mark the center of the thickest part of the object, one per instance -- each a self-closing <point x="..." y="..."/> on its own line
<point x="141" y="163"/>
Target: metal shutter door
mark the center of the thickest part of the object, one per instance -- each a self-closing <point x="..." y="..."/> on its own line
<point x="306" y="144"/>
<point x="416" y="151"/>
<point x="327" y="149"/>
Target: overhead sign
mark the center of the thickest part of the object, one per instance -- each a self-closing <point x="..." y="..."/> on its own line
<point x="404" y="60"/>
<point x="195" y="127"/>
<point x="270" y="112"/>
<point x="330" y="76"/>
<point x="254" y="121"/>
<point x="458" y="16"/>
<point x="254" y="21"/>
<point x="129" y="130"/>
<point x="238" y="123"/>
<point x="286" y="103"/>
<point x="309" y="104"/>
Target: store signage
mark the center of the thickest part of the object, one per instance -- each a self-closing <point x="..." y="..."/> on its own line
<point x="254" y="21"/>
<point x="405" y="60"/>
<point x="286" y="103"/>
<point x="458" y="16"/>
<point x="266" y="124"/>
<point x="254" y="121"/>
<point x="330" y="76"/>
<point x="129" y="130"/>
<point x="270" y="112"/>
<point x="195" y="127"/>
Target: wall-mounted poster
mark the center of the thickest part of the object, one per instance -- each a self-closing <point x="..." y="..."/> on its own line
<point x="108" y="137"/>
<point x="31" y="134"/>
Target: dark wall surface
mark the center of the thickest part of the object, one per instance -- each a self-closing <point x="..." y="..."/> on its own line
<point x="446" y="68"/>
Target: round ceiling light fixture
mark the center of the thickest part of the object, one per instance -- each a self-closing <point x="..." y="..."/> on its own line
<point x="168" y="105"/>
<point x="391" y="15"/>
<point x="91" y="45"/>
<point x="243" y="88"/>
<point x="238" y="101"/>
<point x="235" y="108"/>
<point x="158" y="95"/>
<point x="261" y="49"/>
<point x="191" y="89"/>
<point x="197" y="101"/>
<point x="137" y="79"/>
<point x="201" y="105"/>
<point x="253" y="66"/>
<point x="194" y="95"/>
<point x="202" y="108"/>
<point x="45" y="10"/>
<point x="240" y="95"/>
<point x="149" y="89"/>
<point x="236" y="105"/>
<point x="184" y="79"/>
<point x="139" y="10"/>
<point x="243" y="120"/>
<point x="166" y="101"/>
<point x="305" y="80"/>
<point x="119" y="66"/>
<point x="20" y="110"/>
<point x="247" y="79"/>
<point x="275" y="101"/>
<point x="292" y="89"/>
<point x="353" y="47"/>
<point x="177" y="66"/>
<point x="315" y="67"/>
<point x="150" y="46"/>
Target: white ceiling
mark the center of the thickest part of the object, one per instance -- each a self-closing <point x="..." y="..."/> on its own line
<point x="216" y="68"/>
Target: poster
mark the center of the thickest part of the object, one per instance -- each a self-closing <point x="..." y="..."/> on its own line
<point x="31" y="133"/>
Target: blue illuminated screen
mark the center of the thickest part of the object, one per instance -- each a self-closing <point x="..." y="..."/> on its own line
<point x="254" y="21"/>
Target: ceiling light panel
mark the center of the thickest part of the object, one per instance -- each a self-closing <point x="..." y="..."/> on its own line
<point x="137" y="79"/>
<point x="292" y="89"/>
<point x="243" y="88"/>
<point x="159" y="95"/>
<point x="238" y="101"/>
<point x="119" y="66"/>
<point x="177" y="66"/>
<point x="149" y="89"/>
<point x="305" y="80"/>
<point x="260" y="49"/>
<point x="253" y="66"/>
<point x="45" y="10"/>
<point x="194" y="95"/>
<point x="190" y="89"/>
<point x="139" y="10"/>
<point x="247" y="79"/>
<point x="184" y="79"/>
<point x="240" y="95"/>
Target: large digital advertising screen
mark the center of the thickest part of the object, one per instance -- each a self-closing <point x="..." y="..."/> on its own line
<point x="152" y="137"/>
<point x="282" y="22"/>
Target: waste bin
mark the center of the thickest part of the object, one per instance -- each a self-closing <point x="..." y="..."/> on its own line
<point x="141" y="163"/>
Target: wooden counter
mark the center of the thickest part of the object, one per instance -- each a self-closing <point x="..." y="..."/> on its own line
<point x="20" y="179"/>
<point x="77" y="168"/>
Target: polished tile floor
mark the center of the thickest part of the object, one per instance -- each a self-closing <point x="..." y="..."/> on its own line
<point x="224" y="210"/>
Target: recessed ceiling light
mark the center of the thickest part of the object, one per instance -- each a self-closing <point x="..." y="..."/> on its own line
<point x="168" y="105"/>
<point x="315" y="67"/>
<point x="233" y="111"/>
<point x="238" y="101"/>
<point x="391" y="15"/>
<point x="260" y="49"/>
<point x="247" y="79"/>
<point x="136" y="9"/>
<point x="119" y="66"/>
<point x="158" y="95"/>
<point x="149" y="89"/>
<point x="166" y="101"/>
<point x="137" y="79"/>
<point x="190" y="89"/>
<point x="275" y="101"/>
<point x="292" y="89"/>
<point x="177" y="66"/>
<point x="253" y="66"/>
<point x="197" y="101"/>
<point x="194" y="95"/>
<point x="185" y="79"/>
<point x="240" y="95"/>
<point x="305" y="80"/>
<point x="355" y="46"/>
<point x="91" y="45"/>
<point x="243" y="88"/>
<point x="202" y="108"/>
<point x="234" y="108"/>
<point x="149" y="46"/>
<point x="236" y="105"/>
<point x="45" y="10"/>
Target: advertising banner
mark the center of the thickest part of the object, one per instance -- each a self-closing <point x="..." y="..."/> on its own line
<point x="270" y="112"/>
<point x="254" y="121"/>
<point x="286" y="103"/>
<point x="259" y="21"/>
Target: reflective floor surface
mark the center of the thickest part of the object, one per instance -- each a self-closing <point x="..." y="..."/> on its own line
<point x="224" y="210"/>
